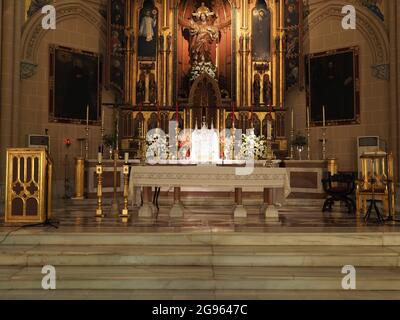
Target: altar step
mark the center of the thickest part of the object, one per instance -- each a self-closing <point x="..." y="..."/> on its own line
<point x="200" y="255"/>
<point x="208" y="236"/>
<point x="199" y="278"/>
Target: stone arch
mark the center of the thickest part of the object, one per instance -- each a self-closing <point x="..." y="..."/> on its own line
<point x="33" y="32"/>
<point x="371" y="28"/>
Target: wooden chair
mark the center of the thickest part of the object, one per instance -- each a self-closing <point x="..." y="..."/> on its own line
<point x="339" y="187"/>
<point x="384" y="190"/>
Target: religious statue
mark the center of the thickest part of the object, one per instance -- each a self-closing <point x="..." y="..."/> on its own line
<point x="203" y="34"/>
<point x="152" y="88"/>
<point x="148" y="25"/>
<point x="256" y="89"/>
<point x="141" y="89"/>
<point x="148" y="32"/>
<point x="267" y="90"/>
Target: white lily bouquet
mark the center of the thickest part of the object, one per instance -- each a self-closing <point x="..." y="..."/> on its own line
<point x="157" y="146"/>
<point x="203" y="67"/>
<point x="252" y="147"/>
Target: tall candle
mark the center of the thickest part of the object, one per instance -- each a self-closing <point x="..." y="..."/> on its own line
<point x="323" y="116"/>
<point x="158" y="114"/>
<point x="308" y="117"/>
<point x="102" y="119"/>
<point x="87" y="115"/>
<point x="233" y="114"/>
<point x="292" y="119"/>
<point x="126" y="157"/>
<point x="269" y="129"/>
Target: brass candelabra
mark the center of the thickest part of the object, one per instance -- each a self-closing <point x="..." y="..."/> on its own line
<point x="324" y="143"/>
<point x="99" y="210"/>
<point x="308" y="143"/>
<point x="291" y="143"/>
<point x="125" y="211"/>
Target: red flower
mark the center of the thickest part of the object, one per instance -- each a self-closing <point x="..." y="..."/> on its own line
<point x="67" y="142"/>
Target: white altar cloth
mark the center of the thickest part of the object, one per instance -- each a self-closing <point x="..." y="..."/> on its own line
<point x="209" y="176"/>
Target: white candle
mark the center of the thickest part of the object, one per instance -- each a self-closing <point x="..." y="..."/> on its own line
<point x="126" y="156"/>
<point x="269" y="129"/>
<point x="87" y="115"/>
<point x="323" y="116"/>
<point x="99" y="157"/>
<point x="292" y="119"/>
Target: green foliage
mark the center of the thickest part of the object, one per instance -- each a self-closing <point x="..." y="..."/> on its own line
<point x="300" y="140"/>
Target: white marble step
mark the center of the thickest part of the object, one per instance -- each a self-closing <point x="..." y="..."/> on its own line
<point x="134" y="255"/>
<point x="206" y="237"/>
<point x="199" y="278"/>
<point x="152" y="295"/>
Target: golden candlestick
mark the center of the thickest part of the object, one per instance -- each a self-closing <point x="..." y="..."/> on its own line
<point x="87" y="142"/>
<point x="115" y="204"/>
<point x="324" y="143"/>
<point x="308" y="143"/>
<point x="79" y="178"/>
<point x="99" y="210"/>
<point x="125" y="211"/>
<point x="232" y="142"/>
<point x="269" y="154"/>
<point x="178" y="130"/>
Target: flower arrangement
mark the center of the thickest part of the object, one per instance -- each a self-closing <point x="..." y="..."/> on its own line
<point x="157" y="147"/>
<point x="299" y="140"/>
<point x="252" y="147"/>
<point x="67" y="142"/>
<point x="109" y="141"/>
<point x="203" y="67"/>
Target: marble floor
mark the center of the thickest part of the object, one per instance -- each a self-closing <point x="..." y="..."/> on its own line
<point x="73" y="216"/>
<point x="207" y="254"/>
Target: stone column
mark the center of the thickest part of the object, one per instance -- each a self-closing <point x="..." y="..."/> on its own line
<point x="11" y="27"/>
<point x="146" y="211"/>
<point x="240" y="210"/>
<point x="177" y="208"/>
<point x="268" y="209"/>
<point x="394" y="114"/>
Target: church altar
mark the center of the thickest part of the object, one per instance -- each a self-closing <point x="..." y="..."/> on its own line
<point x="256" y="179"/>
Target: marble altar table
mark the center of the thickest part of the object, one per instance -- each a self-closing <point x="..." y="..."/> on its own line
<point x="259" y="179"/>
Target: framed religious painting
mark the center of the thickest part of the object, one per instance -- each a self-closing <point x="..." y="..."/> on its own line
<point x="333" y="84"/>
<point x="75" y="85"/>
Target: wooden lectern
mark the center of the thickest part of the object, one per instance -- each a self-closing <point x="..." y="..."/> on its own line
<point x="28" y="185"/>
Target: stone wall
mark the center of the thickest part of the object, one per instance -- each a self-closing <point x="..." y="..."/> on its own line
<point x="325" y="32"/>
